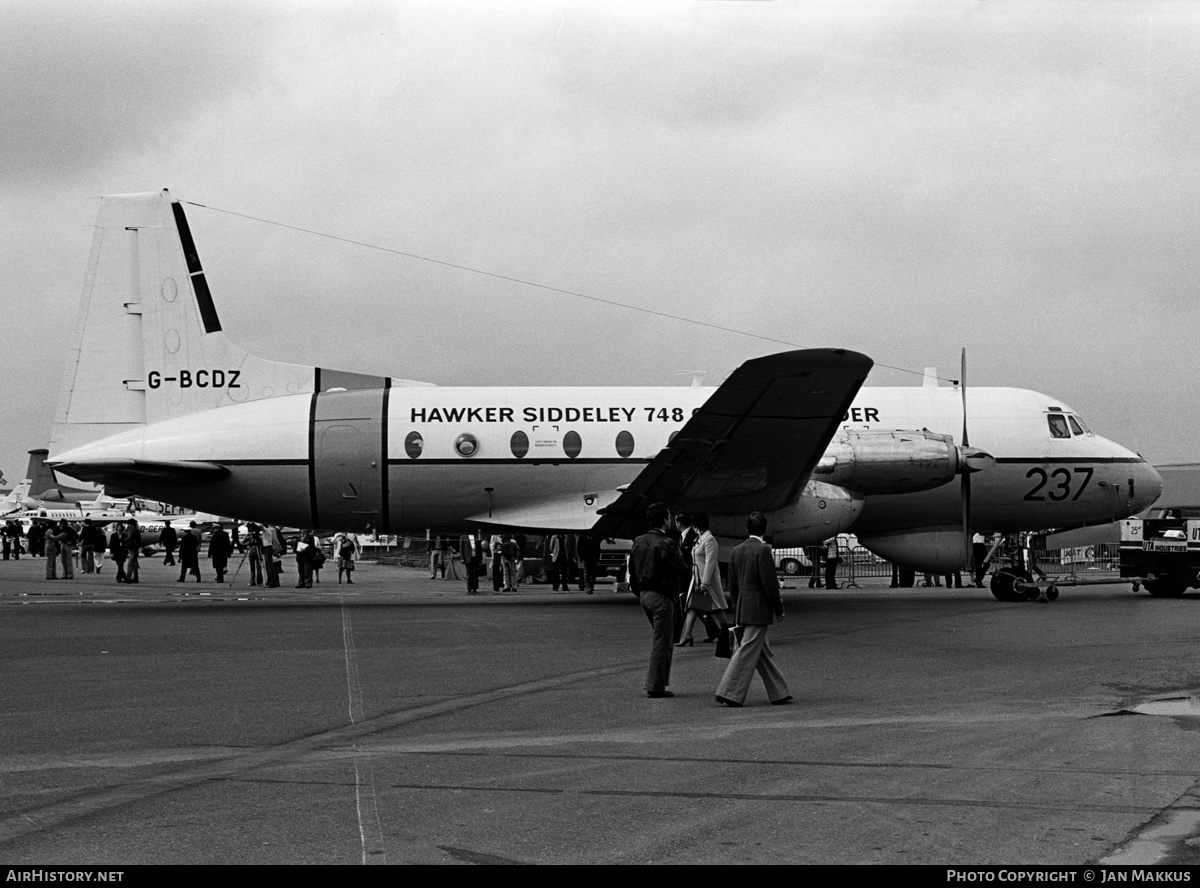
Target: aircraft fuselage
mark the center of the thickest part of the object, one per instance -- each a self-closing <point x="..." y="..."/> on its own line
<point x="407" y="459"/>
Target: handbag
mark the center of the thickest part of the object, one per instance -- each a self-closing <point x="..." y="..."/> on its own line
<point x="727" y="642"/>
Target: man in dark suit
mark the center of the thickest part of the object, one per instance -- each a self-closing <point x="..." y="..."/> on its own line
<point x="471" y="551"/>
<point x="754" y="587"/>
<point x="219" y="550"/>
<point x="189" y="553"/>
<point x="656" y="571"/>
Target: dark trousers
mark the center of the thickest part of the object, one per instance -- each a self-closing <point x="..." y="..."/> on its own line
<point x="831" y="566"/>
<point x="660" y="611"/>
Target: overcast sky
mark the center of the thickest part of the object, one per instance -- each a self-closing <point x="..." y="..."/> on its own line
<point x="901" y="179"/>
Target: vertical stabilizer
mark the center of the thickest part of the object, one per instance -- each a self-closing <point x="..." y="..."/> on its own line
<point x="148" y="343"/>
<point x="41" y="479"/>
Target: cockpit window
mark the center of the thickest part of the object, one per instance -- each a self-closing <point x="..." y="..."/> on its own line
<point x="1058" y="426"/>
<point x="1075" y="426"/>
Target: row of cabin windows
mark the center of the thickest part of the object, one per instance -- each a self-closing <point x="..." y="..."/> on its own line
<point x="467" y="444"/>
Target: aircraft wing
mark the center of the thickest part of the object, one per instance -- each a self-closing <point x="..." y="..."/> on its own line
<point x="752" y="445"/>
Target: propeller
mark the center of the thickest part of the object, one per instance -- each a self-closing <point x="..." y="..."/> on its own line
<point x="970" y="461"/>
<point x="965" y="494"/>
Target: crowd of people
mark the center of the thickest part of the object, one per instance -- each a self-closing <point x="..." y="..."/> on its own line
<point x="564" y="558"/>
<point x="67" y="546"/>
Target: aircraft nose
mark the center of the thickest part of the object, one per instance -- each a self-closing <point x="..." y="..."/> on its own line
<point x="1145" y="486"/>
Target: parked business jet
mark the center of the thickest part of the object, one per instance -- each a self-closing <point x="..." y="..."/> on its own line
<point x="16" y="500"/>
<point x="157" y="400"/>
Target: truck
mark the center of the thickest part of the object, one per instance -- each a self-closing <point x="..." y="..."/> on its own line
<point x="1162" y="551"/>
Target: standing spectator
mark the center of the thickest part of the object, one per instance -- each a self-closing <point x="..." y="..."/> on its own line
<point x="304" y="559"/>
<point x="437" y="558"/>
<point x="49" y="537"/>
<point x="588" y="548"/>
<point x="116" y="549"/>
<point x="814" y="554"/>
<point x="979" y="553"/>
<point x="511" y="551"/>
<point x="656" y="573"/>
<point x="14" y="534"/>
<point x="219" y="550"/>
<point x="253" y="545"/>
<point x="347" y="549"/>
<point x="832" y="559"/>
<point x="754" y="587"/>
<point x="133" y="546"/>
<point x="497" y="562"/>
<point x="189" y="553"/>
<point x="91" y="541"/>
<point x="471" y="551"/>
<point x="272" y="545"/>
<point x="557" y="562"/>
<point x="37" y="539"/>
<point x="67" y="538"/>
<point x="169" y="540"/>
<point x="318" y="558"/>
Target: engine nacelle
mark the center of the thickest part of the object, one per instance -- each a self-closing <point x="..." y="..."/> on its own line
<point x="821" y="511"/>
<point x="874" y="461"/>
<point x="933" y="550"/>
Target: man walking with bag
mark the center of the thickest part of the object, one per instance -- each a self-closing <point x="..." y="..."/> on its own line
<point x="754" y="587"/>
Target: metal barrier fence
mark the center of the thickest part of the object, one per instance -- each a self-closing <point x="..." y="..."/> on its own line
<point x="1065" y="565"/>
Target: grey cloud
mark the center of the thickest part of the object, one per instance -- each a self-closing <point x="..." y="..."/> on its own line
<point x="85" y="81"/>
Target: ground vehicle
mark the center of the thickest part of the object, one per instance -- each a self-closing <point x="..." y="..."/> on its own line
<point x="792" y="562"/>
<point x="1162" y="551"/>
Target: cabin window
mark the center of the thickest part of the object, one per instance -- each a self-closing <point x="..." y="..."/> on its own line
<point x="414" y="445"/>
<point x="624" y="445"/>
<point x="572" y="444"/>
<point x="466" y="444"/>
<point x="519" y="444"/>
<point x="1058" y="426"/>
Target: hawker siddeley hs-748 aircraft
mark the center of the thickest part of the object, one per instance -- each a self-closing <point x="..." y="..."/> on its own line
<point x="156" y="400"/>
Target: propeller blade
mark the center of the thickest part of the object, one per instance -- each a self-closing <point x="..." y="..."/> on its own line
<point x="965" y="490"/>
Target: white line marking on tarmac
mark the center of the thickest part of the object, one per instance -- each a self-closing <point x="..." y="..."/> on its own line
<point x="370" y="830"/>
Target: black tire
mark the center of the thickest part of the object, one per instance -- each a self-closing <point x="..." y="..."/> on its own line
<point x="1165" y="589"/>
<point x="790" y="567"/>
<point x="1002" y="586"/>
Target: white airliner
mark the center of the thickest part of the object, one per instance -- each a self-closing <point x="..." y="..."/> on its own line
<point x="156" y="400"/>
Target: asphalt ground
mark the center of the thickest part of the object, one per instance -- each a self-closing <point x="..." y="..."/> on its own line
<point x="400" y="721"/>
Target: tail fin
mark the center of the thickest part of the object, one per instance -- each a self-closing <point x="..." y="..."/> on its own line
<point x="41" y="478"/>
<point x="148" y="343"/>
<point x="17" y="499"/>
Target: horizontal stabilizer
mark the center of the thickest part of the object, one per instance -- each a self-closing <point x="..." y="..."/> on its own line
<point x="134" y="470"/>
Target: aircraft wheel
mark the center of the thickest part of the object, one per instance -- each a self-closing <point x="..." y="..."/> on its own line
<point x="1052" y="592"/>
<point x="1164" y="589"/>
<point x="1003" y="586"/>
<point x="790" y="566"/>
